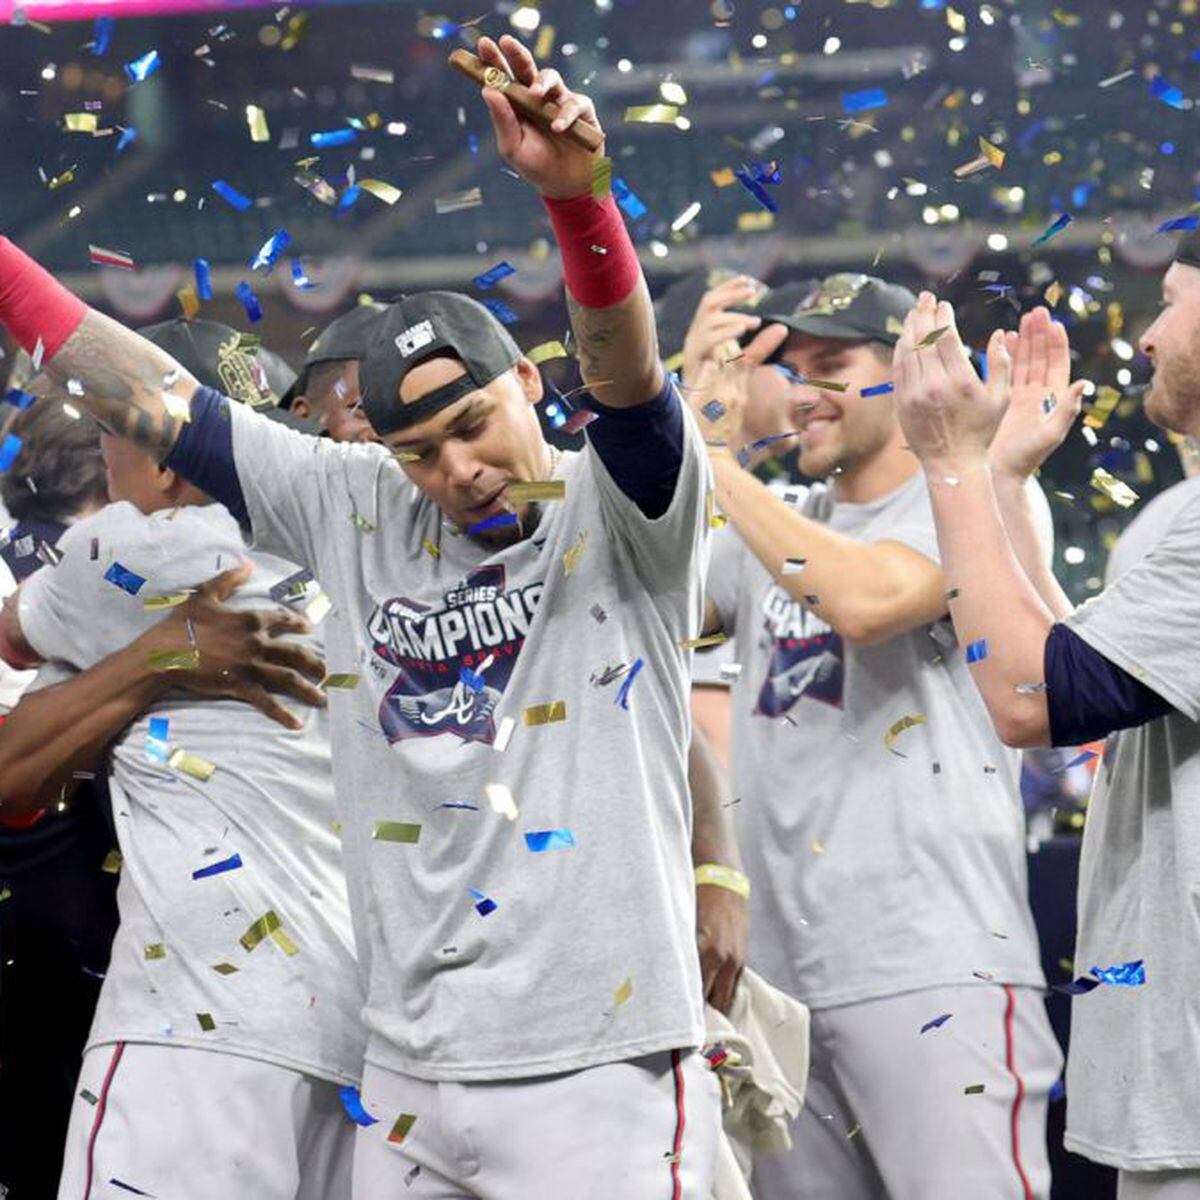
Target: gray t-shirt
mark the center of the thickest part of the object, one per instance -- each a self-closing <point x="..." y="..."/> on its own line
<point x="872" y="874"/>
<point x="1133" y="1072"/>
<point x="549" y="926"/>
<point x="178" y="962"/>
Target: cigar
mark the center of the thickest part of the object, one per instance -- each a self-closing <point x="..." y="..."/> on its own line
<point x="542" y="112"/>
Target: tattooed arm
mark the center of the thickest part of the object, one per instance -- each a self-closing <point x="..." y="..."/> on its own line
<point x="618" y="349"/>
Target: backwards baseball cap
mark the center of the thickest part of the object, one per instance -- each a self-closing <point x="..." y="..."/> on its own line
<point x="417" y="327"/>
<point x="846" y="307"/>
<point x="1188" y="250"/>
<point x="343" y="339"/>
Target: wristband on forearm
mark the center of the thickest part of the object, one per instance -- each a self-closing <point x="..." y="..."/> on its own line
<point x="719" y="875"/>
<point x="600" y="265"/>
<point x="34" y="306"/>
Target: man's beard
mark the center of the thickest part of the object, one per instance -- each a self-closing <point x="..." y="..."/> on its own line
<point x="1173" y="401"/>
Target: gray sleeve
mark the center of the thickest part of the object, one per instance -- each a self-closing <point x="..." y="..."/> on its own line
<point x="1146" y="622"/>
<point x="301" y="491"/>
<point x="665" y="549"/>
<point x="910" y="522"/>
<point x="724" y="572"/>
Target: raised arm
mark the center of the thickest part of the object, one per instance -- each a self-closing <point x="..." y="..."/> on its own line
<point x="128" y="384"/>
<point x="65" y="728"/>
<point x="611" y="314"/>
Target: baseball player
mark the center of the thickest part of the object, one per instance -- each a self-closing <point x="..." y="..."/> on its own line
<point x="880" y="818"/>
<point x="1123" y="664"/>
<point x="229" y="1016"/>
<point x="516" y="836"/>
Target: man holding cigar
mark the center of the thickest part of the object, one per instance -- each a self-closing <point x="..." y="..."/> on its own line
<point x="516" y="836"/>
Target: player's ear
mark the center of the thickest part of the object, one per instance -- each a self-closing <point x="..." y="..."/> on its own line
<point x="530" y="379"/>
<point x="301" y="407"/>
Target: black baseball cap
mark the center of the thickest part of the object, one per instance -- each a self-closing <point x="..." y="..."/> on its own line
<point x="343" y="339"/>
<point x="233" y="363"/>
<point x="1188" y="250"/>
<point x="413" y="329"/>
<point x="845" y="307"/>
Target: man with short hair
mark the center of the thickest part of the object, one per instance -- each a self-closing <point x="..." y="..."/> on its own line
<point x="879" y="817"/>
<point x="1125" y="665"/>
<point x="523" y="896"/>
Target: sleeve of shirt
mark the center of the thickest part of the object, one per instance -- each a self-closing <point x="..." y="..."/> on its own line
<point x="725" y="574"/>
<point x="1087" y="696"/>
<point x="910" y="522"/>
<point x="56" y="615"/>
<point x="1146" y="622"/>
<point x="665" y="549"/>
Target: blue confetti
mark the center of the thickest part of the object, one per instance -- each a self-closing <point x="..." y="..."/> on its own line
<point x="444" y="30"/>
<point x="334" y="137"/>
<point x="128" y="135"/>
<point x="269" y="252"/>
<point x="501" y="311"/>
<point x="473" y="679"/>
<point x="18" y="398"/>
<point x="550" y="839"/>
<point x="231" y="195"/>
<point x="1130" y="974"/>
<point x="765" y="172"/>
<point x="127" y="580"/>
<point x="473" y="145"/>
<point x="1179" y="223"/>
<point x="483" y="904"/>
<point x="763" y="443"/>
<point x="245" y="293"/>
<point x="128" y="1187"/>
<point x="495" y="522"/>
<point x="458" y="804"/>
<point x="9" y="449"/>
<point x="157" y="749"/>
<point x="630" y="204"/>
<point x="142" y="68"/>
<point x="349" y="198"/>
<point x="977" y="651"/>
<point x="1058" y="1091"/>
<point x="232" y="863"/>
<point x="352" y="1103"/>
<point x="755" y="189"/>
<point x="1160" y="89"/>
<point x="880" y="389"/>
<point x="856" y="102"/>
<point x="623" y="695"/>
<point x="1084" y="756"/>
<point x="936" y="1023"/>
<point x="1063" y="220"/>
<point x="203" y="278"/>
<point x="102" y="33"/>
<point x="300" y="277"/>
<point x="502" y="270"/>
<point x="714" y="410"/>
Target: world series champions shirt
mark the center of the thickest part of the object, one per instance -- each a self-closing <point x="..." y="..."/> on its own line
<point x="197" y="961"/>
<point x="511" y="759"/>
<point x="886" y="855"/>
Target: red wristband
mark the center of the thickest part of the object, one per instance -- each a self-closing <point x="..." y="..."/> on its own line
<point x="34" y="305"/>
<point x="600" y="265"/>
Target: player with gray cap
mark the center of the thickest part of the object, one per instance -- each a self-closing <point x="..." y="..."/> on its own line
<point x="880" y="818"/>
<point x="1127" y="665"/>
<point x="516" y="836"/>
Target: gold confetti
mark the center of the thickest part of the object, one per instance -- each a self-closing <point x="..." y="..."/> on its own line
<point x="224" y="968"/>
<point x="529" y="490"/>
<point x="91" y="1098"/>
<point x="81" y="122"/>
<point x="826" y="385"/>
<point x="1054" y="293"/>
<point x="818" y="846"/>
<point x="755" y="222"/>
<point x="471" y="198"/>
<point x="347" y="680"/>
<point x="601" y="177"/>
<point x="1120" y="493"/>
<point x="405" y="456"/>
<point x="973" y="1089"/>
<point x="713" y="639"/>
<point x="956" y="20"/>
<point x="188" y="301"/>
<point x="68" y="176"/>
<point x="623" y="993"/>
<point x="545" y="714"/>
<point x="404" y="1122"/>
<point x="715" y="519"/>
<point x="191" y="764"/>
<point x="262" y="928"/>
<point x="544" y="46"/>
<point x="257" y="120"/>
<point x="154" y="950"/>
<point x="1102" y="407"/>
<point x="674" y="362"/>
<point x="434" y="552"/>
<point x="361" y="522"/>
<point x="381" y="190"/>
<point x="396" y="831"/>
<point x="285" y="943"/>
<point x="571" y="557"/>
<point x="112" y="863"/>
<point x="174" y="660"/>
<point x="206" y="1022"/>
<point x="897" y="728"/>
<point x="992" y="152"/>
<point x="158" y="603"/>
<point x="547" y="351"/>
<point x="932" y="336"/>
<point x="723" y="178"/>
<point x="653" y="114"/>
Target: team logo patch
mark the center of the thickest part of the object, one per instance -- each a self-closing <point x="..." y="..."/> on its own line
<point x="414" y="337"/>
<point x="807" y="656"/>
<point x="455" y="661"/>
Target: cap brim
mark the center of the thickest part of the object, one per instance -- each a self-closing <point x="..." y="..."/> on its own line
<point x="821" y="325"/>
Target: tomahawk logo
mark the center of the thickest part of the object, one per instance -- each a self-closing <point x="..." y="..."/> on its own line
<point x="454" y="662"/>
<point x="414" y="337"/>
<point x="806" y="656"/>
